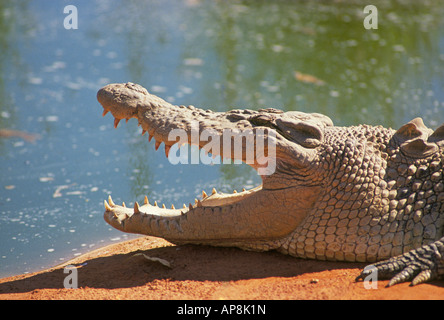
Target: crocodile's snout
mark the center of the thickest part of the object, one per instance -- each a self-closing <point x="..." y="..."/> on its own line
<point x="121" y="100"/>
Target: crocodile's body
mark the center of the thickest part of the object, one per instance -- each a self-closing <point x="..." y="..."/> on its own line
<point x="358" y="193"/>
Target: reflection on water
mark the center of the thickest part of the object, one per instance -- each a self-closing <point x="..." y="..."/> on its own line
<point x="305" y="55"/>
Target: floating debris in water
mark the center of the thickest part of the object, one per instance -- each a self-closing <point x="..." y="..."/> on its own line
<point x="5" y="114"/>
<point x="334" y="93"/>
<point x="193" y="62"/>
<point x="74" y="193"/>
<point x="8" y="133"/>
<point x="398" y="48"/>
<point x="57" y="192"/>
<point x="35" y="80"/>
<point x="277" y="48"/>
<point x="158" y="89"/>
<point x="307" y="78"/>
<point x="52" y="118"/>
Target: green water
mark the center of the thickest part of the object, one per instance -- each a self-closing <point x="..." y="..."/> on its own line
<point x="312" y="56"/>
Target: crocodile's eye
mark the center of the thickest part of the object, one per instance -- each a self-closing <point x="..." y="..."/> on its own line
<point x="261" y="120"/>
<point x="306" y="134"/>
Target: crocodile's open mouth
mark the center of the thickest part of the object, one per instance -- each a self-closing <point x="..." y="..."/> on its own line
<point x="118" y="215"/>
<point x="215" y="199"/>
<point x="238" y="216"/>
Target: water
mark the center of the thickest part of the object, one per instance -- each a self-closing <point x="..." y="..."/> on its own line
<point x="307" y="56"/>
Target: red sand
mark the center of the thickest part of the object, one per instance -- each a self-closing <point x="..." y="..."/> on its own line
<point x="200" y="272"/>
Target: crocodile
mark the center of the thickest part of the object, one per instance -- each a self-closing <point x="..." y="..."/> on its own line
<point x="360" y="193"/>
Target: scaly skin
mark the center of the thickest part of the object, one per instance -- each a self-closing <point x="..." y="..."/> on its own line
<point x="337" y="193"/>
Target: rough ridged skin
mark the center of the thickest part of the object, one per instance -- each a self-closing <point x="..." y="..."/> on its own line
<point x="377" y="203"/>
<point x="358" y="193"/>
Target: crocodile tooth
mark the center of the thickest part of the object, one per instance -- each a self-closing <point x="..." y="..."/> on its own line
<point x="235" y="191"/>
<point x="214" y="191"/>
<point x="116" y="122"/>
<point x="204" y="194"/>
<point x="163" y="206"/>
<point x="136" y="207"/>
<point x="195" y="201"/>
<point x="243" y="189"/>
<point x="155" y="203"/>
<point x="157" y="145"/>
<point x="150" y="137"/>
<point x="123" y="204"/>
<point x="107" y="207"/>
<point x="184" y="206"/>
<point x="143" y="132"/>
<point x="167" y="150"/>
<point x="105" y="112"/>
<point x="145" y="201"/>
<point x="172" y="206"/>
<point x="126" y="120"/>
<point x="112" y="204"/>
<point x="199" y="204"/>
<point x="190" y="206"/>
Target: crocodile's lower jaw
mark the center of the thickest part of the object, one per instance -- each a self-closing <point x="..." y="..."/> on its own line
<point x="215" y="199"/>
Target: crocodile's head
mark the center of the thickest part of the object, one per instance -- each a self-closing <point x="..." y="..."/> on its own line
<point x="281" y="146"/>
